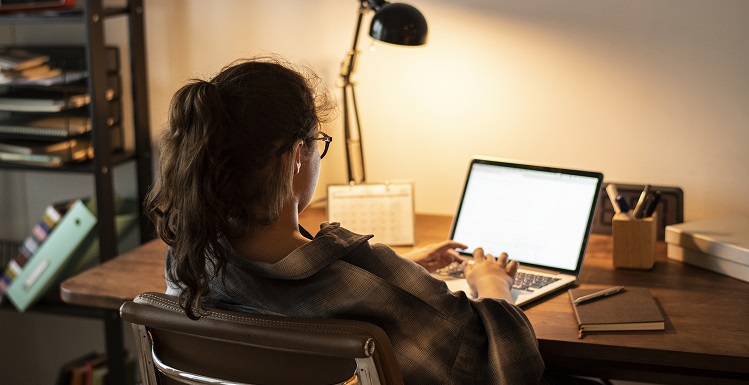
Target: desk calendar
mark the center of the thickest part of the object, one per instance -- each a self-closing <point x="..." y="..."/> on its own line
<point x="385" y="210"/>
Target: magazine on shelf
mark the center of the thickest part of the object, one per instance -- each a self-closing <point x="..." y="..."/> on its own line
<point x="63" y="77"/>
<point x="18" y="146"/>
<point x="53" y="155"/>
<point x="43" y="102"/>
<point x="40" y="72"/>
<point x="18" y="59"/>
<point x="44" y="127"/>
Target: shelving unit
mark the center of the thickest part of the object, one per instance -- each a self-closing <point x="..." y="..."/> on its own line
<point x="92" y="16"/>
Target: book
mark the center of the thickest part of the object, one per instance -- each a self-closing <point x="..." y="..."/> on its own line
<point x="53" y="154"/>
<point x="39" y="72"/>
<point x="99" y="375"/>
<point x="22" y="6"/>
<point x="17" y="59"/>
<point x="63" y="77"/>
<point x="43" y="102"/>
<point x="632" y="309"/>
<point x="718" y="244"/>
<point x="45" y="127"/>
<point x="80" y="370"/>
<point x="92" y="369"/>
<point x="65" y="373"/>
<point x="72" y="57"/>
<point x="21" y="146"/>
<point x="34" y="159"/>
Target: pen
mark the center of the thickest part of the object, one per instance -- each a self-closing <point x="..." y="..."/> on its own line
<point x="622" y="201"/>
<point x="650" y="208"/>
<point x="613" y="193"/>
<point x="602" y="293"/>
<point x="639" y="207"/>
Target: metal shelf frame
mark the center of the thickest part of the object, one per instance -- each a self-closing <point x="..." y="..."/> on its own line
<point x="92" y="16"/>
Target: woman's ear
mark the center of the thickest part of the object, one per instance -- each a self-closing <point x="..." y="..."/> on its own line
<point x="298" y="150"/>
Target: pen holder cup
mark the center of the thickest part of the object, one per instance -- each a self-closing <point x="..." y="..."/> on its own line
<point x="634" y="241"/>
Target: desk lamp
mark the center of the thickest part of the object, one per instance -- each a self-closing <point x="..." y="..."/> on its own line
<point x="394" y="23"/>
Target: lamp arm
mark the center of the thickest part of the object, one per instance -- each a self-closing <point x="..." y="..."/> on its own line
<point x="353" y="139"/>
<point x="349" y="62"/>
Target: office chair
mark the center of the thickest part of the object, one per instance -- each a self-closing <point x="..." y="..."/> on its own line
<point x="227" y="347"/>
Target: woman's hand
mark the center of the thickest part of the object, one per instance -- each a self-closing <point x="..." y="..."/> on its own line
<point x="491" y="278"/>
<point x="436" y="255"/>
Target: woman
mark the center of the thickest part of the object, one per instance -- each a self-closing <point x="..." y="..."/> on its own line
<point x="239" y="161"/>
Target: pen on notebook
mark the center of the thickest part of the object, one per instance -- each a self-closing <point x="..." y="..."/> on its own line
<point x="613" y="193"/>
<point x="639" y="207"/>
<point x="602" y="293"/>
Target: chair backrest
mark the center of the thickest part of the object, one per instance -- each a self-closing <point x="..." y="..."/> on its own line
<point x="227" y="347"/>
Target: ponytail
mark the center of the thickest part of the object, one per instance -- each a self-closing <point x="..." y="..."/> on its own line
<point x="182" y="202"/>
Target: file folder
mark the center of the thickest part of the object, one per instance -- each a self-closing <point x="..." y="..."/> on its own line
<point x="71" y="247"/>
<point x="42" y="268"/>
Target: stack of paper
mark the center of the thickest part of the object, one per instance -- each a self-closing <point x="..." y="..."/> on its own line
<point x="17" y="63"/>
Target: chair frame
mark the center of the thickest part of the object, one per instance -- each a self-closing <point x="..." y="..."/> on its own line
<point x="364" y="347"/>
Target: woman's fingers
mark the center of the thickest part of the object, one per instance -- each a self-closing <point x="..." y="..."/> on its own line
<point x="478" y="255"/>
<point x="512" y="268"/>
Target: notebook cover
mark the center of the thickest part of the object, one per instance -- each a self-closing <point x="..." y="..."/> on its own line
<point x="632" y="309"/>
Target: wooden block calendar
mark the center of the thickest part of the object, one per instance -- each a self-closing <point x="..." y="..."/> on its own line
<point x="383" y="209"/>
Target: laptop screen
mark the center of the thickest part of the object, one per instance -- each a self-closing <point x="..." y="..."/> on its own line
<point x="540" y="216"/>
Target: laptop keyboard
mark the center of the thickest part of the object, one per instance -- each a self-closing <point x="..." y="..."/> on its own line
<point x="523" y="280"/>
<point x="531" y="282"/>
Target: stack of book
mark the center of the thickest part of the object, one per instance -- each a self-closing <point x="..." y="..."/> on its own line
<point x="88" y="369"/>
<point x="44" y="105"/>
<point x="21" y="65"/>
<point x="717" y="244"/>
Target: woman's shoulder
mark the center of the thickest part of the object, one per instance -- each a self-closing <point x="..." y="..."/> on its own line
<point x="333" y="232"/>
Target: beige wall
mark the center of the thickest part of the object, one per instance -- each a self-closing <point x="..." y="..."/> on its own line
<point x="644" y="91"/>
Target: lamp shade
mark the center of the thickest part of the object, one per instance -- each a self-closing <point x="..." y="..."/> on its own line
<point x="399" y="23"/>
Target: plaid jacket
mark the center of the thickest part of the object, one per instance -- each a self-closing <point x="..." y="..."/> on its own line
<point x="439" y="337"/>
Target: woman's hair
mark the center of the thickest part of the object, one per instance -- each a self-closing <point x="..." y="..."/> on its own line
<point x="222" y="172"/>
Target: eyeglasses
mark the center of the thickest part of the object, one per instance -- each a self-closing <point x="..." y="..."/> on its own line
<point x="323" y="143"/>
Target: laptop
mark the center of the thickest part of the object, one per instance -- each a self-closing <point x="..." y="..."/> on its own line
<point x="540" y="216"/>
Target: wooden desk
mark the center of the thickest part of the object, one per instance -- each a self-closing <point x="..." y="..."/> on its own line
<point x="707" y="315"/>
